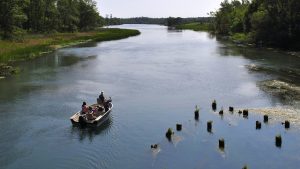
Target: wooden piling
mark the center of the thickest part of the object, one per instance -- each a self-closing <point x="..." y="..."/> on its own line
<point x="245" y="113"/>
<point x="214" y="105"/>
<point x="287" y="124"/>
<point x="196" y="113"/>
<point x="266" y="118"/>
<point x="209" y="126"/>
<point x="258" y="125"/>
<point x="222" y="143"/>
<point x="278" y="141"/>
<point x="154" y="146"/>
<point x="221" y="112"/>
<point x="178" y="127"/>
<point x="169" y="134"/>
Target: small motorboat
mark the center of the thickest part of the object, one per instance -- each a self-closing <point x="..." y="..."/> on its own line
<point x="99" y="114"/>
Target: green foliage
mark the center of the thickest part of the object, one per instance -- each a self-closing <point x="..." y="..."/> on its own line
<point x="265" y="22"/>
<point x="240" y="38"/>
<point x="171" y="21"/>
<point x="89" y="18"/>
<point x="46" y="16"/>
<point x="162" y="21"/>
<point x="196" y="26"/>
<point x="33" y="46"/>
<point x="230" y="17"/>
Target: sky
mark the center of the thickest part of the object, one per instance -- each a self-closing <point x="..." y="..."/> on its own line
<point x="157" y="8"/>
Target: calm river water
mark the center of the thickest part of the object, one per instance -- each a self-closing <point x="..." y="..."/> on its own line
<point x="155" y="81"/>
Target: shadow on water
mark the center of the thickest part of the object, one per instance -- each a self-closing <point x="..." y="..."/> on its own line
<point x="90" y="132"/>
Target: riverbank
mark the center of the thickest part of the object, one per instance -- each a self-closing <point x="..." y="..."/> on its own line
<point x="195" y="26"/>
<point x="33" y="46"/>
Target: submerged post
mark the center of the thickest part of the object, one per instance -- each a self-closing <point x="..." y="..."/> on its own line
<point x="154" y="146"/>
<point x="245" y="113"/>
<point x="209" y="126"/>
<point x="258" y="125"/>
<point x="278" y="141"/>
<point x="178" y="127"/>
<point x="221" y="112"/>
<point x="287" y="124"/>
<point x="221" y="144"/>
<point x="245" y="167"/>
<point x="214" y="105"/>
<point x="196" y="113"/>
<point x="266" y="118"/>
<point x="169" y="134"/>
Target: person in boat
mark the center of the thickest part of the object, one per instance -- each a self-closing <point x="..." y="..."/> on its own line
<point x="90" y="114"/>
<point x="84" y="108"/>
<point x="96" y="111"/>
<point x="101" y="98"/>
<point x="106" y="105"/>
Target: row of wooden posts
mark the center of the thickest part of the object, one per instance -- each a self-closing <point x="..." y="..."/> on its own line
<point x="278" y="139"/>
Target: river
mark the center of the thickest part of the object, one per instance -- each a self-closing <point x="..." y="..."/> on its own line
<point x="155" y="80"/>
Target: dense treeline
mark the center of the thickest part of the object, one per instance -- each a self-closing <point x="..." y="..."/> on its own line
<point x="171" y="21"/>
<point x="43" y="16"/>
<point x="265" y="22"/>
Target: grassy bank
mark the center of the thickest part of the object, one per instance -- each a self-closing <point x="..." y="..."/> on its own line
<point x="196" y="26"/>
<point x="34" y="45"/>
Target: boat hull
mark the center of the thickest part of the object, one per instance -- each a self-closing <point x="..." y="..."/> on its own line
<point x="77" y="118"/>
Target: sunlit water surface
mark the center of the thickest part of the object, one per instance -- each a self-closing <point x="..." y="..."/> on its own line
<point x="155" y="81"/>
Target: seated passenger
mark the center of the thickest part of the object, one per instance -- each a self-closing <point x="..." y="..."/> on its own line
<point x="84" y="108"/>
<point x="97" y="111"/>
<point x="90" y="116"/>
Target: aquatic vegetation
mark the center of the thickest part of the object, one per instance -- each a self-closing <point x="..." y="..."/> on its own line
<point x="286" y="91"/>
<point x="6" y="70"/>
<point x="169" y="134"/>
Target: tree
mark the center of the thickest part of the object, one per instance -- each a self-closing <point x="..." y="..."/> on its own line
<point x="51" y="15"/>
<point x="11" y="17"/>
<point x="68" y="14"/>
<point x="37" y="15"/>
<point x="89" y="18"/>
